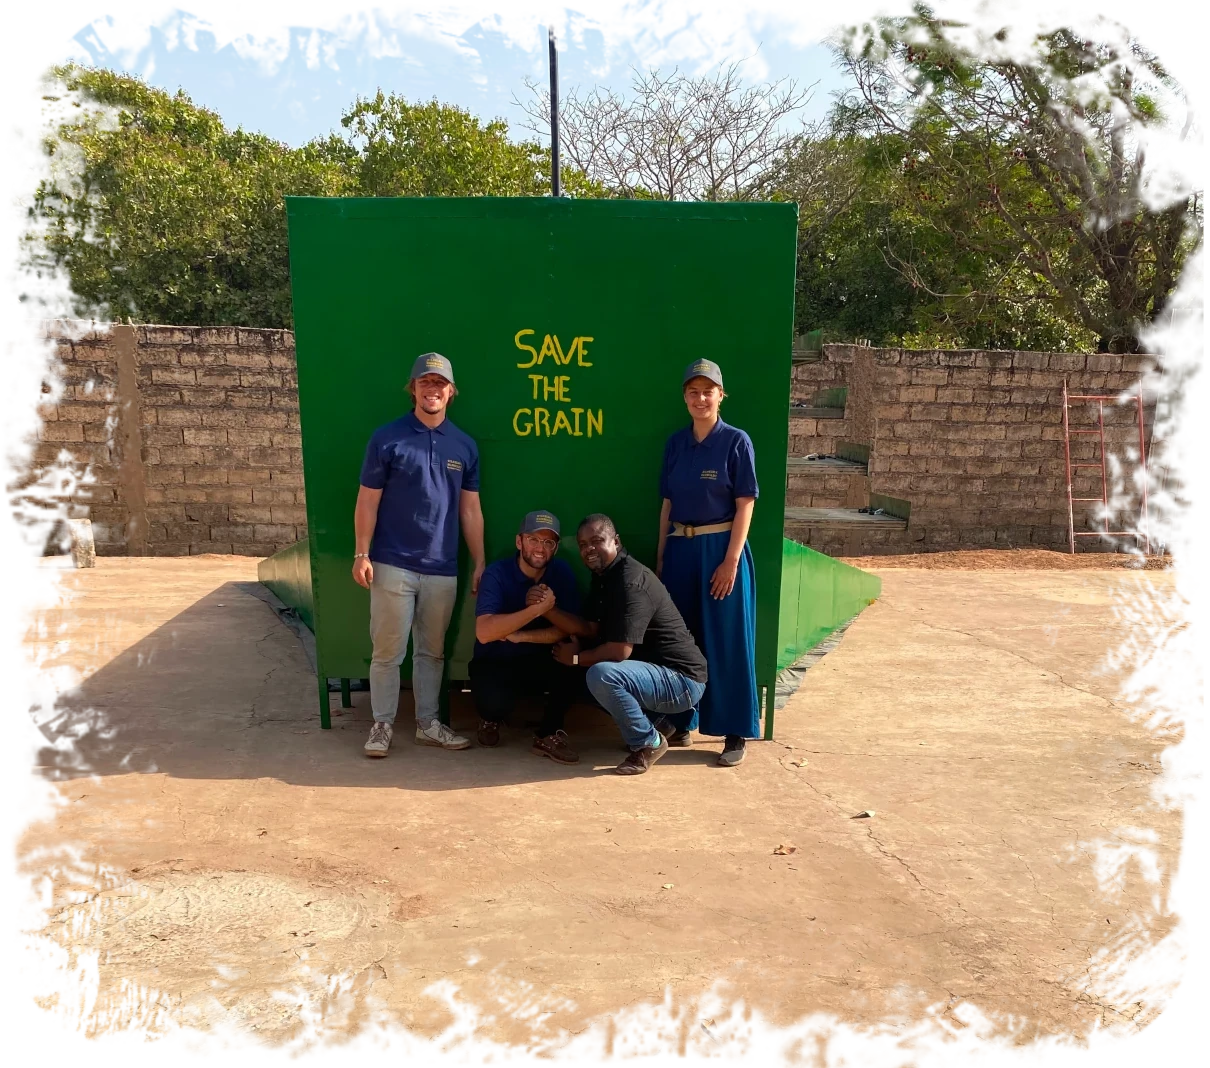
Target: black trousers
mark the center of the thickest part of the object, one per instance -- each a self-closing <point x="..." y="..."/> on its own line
<point x="497" y="682"/>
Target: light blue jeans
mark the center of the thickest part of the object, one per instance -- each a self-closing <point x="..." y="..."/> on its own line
<point x="403" y="602"/>
<point x="634" y="693"/>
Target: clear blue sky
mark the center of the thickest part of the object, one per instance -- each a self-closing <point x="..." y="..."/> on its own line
<point x="301" y="95"/>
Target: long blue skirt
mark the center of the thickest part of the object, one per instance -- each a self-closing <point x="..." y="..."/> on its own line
<point x="725" y="631"/>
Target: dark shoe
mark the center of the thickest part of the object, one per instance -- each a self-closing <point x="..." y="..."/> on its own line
<point x="489" y="734"/>
<point x="677" y="739"/>
<point x="640" y="760"/>
<point x="733" y="751"/>
<point x="555" y="746"/>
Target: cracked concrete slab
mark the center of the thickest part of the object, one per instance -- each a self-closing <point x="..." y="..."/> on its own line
<point x="215" y="847"/>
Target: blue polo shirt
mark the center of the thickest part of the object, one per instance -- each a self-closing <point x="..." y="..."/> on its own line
<point x="503" y="589"/>
<point x="703" y="478"/>
<point x="422" y="474"/>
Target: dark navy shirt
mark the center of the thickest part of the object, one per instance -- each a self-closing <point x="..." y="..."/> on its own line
<point x="422" y="474"/>
<point x="703" y="478"/>
<point x="503" y="589"/>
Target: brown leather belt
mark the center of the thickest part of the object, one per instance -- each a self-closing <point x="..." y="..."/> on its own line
<point x="684" y="530"/>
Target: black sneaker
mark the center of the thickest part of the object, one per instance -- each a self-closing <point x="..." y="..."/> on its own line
<point x="733" y="751"/>
<point x="676" y="738"/>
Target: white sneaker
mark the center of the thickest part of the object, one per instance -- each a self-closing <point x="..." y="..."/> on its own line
<point x="380" y="740"/>
<point x="437" y="733"/>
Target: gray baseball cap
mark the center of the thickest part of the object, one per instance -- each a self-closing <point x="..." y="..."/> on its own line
<point x="432" y="363"/>
<point x="534" y="521"/>
<point x="704" y="369"/>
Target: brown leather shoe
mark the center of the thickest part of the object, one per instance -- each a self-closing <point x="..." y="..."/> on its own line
<point x="555" y="746"/>
<point x="489" y="734"/>
<point x="642" y="759"/>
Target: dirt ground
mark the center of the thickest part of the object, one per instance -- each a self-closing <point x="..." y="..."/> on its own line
<point x="225" y="857"/>
<point x="1011" y="560"/>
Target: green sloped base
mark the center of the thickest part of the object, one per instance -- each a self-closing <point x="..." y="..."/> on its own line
<point x="818" y="594"/>
<point x="288" y="574"/>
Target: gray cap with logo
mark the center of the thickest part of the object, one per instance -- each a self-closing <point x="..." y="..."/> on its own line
<point x="535" y="521"/>
<point x="432" y="363"/>
<point x="704" y="369"/>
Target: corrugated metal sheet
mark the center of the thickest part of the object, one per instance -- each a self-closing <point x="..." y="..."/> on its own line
<point x="1176" y="465"/>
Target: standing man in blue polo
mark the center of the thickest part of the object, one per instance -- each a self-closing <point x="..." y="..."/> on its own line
<point x="419" y="482"/>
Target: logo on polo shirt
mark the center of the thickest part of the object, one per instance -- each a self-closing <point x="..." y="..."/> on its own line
<point x="454" y="465"/>
<point x="710" y="473"/>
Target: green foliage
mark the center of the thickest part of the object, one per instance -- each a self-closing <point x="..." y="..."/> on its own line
<point x="160" y="214"/>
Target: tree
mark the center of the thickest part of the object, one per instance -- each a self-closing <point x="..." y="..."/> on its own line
<point x="434" y="149"/>
<point x="676" y="137"/>
<point x="1035" y="168"/>
<point x="158" y="213"/>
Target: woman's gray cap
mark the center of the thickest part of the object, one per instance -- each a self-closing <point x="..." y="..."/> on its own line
<point x="704" y="369"/>
<point x="433" y="363"/>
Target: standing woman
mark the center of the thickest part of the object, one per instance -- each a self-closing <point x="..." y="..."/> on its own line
<point x="709" y="488"/>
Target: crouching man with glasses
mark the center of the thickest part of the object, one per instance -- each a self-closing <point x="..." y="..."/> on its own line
<point x="526" y="604"/>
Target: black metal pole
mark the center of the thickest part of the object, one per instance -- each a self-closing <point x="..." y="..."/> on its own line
<point x="555" y="184"/>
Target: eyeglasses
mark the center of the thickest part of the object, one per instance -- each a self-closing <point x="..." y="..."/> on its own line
<point x="545" y="543"/>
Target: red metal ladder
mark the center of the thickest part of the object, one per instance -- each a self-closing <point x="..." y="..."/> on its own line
<point x="1099" y="430"/>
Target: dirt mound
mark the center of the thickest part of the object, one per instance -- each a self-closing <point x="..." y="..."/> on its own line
<point x="1010" y="560"/>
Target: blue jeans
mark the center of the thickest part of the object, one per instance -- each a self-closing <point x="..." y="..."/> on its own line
<point x="634" y="693"/>
<point x="403" y="602"/>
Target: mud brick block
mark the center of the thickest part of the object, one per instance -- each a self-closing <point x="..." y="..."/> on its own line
<point x="999" y="450"/>
<point x="166" y="513"/>
<point x="285" y="400"/>
<point x="955" y="395"/>
<point x="1026" y="431"/>
<point x="919" y="394"/>
<point x="205" y="397"/>
<point x="206" y="512"/>
<point x="163" y="475"/>
<point x="996" y="360"/>
<point x="270" y="457"/>
<point x="893" y="376"/>
<point x="275" y="532"/>
<point x="224" y="417"/>
<point x="251" y="513"/>
<point x="1012" y="415"/>
<point x="59" y="431"/>
<point x="211" y="336"/>
<point x="82" y="412"/>
<point x="269" y="495"/>
<point x="283" y="361"/>
<point x="289" y="513"/>
<point x="247" y="361"/>
<point x="249" y="398"/>
<point x="208" y="547"/>
<point x="185" y="493"/>
<point x="218" y="377"/>
<point x="288" y="439"/>
<point x="87" y="492"/>
<point x="166" y="335"/>
<point x="248" y="436"/>
<point x="969" y="413"/>
<point x="273" y="420"/>
<point x="259" y="378"/>
<point x="929" y="376"/>
<point x="1058" y="361"/>
<point x="1034" y="360"/>
<point x="1030" y="396"/>
<point x="162" y="436"/>
<point x="960" y="358"/>
<point x="224" y="456"/>
<point x="1103" y="361"/>
<point x="225" y="494"/>
<point x="928" y="447"/>
<point x="1023" y="468"/>
<point x="932" y="413"/>
<point x="250" y="339"/>
<point x="249" y="476"/>
<point x="203" y="436"/>
<point x="179" y="454"/>
<point x="91" y="391"/>
<point x="232" y="532"/>
<point x="178" y="416"/>
<point x="1037" y="450"/>
<point x="201" y="475"/>
<point x="173" y="376"/>
<point x="150" y="357"/>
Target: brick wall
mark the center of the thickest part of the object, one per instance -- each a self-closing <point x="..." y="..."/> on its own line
<point x="191" y="436"/>
<point x="973" y="440"/>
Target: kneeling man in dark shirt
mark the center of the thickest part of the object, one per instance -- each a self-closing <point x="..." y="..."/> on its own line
<point x="645" y="664"/>
<point x="523" y="603"/>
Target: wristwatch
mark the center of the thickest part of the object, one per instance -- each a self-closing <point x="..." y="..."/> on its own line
<point x="575" y="659"/>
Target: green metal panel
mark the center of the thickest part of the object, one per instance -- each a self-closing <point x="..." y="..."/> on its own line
<point x="288" y="574"/>
<point x="649" y="286"/>
<point x="818" y="595"/>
